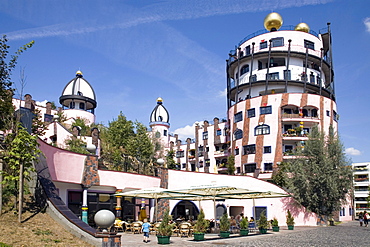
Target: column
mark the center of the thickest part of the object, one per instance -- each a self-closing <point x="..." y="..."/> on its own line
<point x="84" y="206"/>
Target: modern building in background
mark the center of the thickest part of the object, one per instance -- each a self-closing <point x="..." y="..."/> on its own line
<point x="361" y="173"/>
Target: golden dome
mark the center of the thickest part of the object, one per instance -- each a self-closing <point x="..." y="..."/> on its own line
<point x="160" y="100"/>
<point x="78" y="72"/>
<point x="273" y="21"/>
<point x="303" y="27"/>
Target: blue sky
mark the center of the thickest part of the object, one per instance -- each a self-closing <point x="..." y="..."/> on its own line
<point x="134" y="51"/>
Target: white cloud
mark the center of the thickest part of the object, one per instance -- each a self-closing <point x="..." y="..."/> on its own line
<point x="367" y="24"/>
<point x="42" y="103"/>
<point x="185" y="132"/>
<point x="353" y="151"/>
<point x="222" y="94"/>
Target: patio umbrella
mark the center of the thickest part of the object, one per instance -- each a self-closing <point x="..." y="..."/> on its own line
<point x="214" y="191"/>
<point x="153" y="193"/>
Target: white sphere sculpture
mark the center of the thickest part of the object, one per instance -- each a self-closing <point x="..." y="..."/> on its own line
<point x="104" y="218"/>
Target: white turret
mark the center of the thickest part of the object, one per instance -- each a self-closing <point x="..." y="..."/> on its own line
<point x="159" y="122"/>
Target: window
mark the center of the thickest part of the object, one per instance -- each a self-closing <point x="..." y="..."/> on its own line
<point x="200" y="151"/>
<point x="265" y="110"/>
<point x="208" y="162"/>
<point x="312" y="78"/>
<point x="268" y="166"/>
<point x="238" y="170"/>
<point x="244" y="69"/>
<point x="335" y="116"/>
<point x="314" y="113"/>
<point x="277" y="42"/>
<point x="287" y="75"/>
<point x="288" y="148"/>
<point x="263" y="45"/>
<point x="253" y="78"/>
<point x="218" y="132"/>
<point x="238" y="134"/>
<point x="249" y="149"/>
<point x="248" y="50"/>
<point x="251" y="113"/>
<point x="262" y="130"/>
<point x="273" y="76"/>
<point x="179" y="154"/>
<point x="183" y="165"/>
<point x="328" y="113"/>
<point x="248" y="168"/>
<point x="309" y="44"/>
<point x="157" y="134"/>
<point x="82" y="106"/>
<point x="238" y="117"/>
<point x="267" y="149"/>
<point x="165" y="132"/>
<point x="205" y="135"/>
<point x="72" y="105"/>
<point x="318" y="80"/>
<point x="236" y="151"/>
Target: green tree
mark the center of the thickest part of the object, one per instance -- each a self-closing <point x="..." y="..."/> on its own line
<point x="321" y="178"/>
<point x="141" y="148"/>
<point x="22" y="151"/>
<point x="76" y="145"/>
<point x="84" y="128"/>
<point x="231" y="165"/>
<point x="171" y="164"/>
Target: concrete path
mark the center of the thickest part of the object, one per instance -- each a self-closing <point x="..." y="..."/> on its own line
<point x="343" y="235"/>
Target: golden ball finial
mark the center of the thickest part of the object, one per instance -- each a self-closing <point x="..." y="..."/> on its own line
<point x="273" y="21"/>
<point x="303" y="27"/>
<point x="159" y="100"/>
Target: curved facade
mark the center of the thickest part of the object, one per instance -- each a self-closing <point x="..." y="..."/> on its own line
<point x="279" y="85"/>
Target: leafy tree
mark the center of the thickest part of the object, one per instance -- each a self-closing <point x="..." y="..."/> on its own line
<point x="171" y="164"/>
<point x="84" y="128"/>
<point x="141" y="147"/>
<point x="22" y="151"/>
<point x="6" y="89"/>
<point x="76" y="145"/>
<point x="231" y="165"/>
<point x="321" y="177"/>
<point x="38" y="125"/>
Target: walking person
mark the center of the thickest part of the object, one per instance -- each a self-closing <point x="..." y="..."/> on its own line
<point x="366" y="219"/>
<point x="361" y="218"/>
<point x="145" y="229"/>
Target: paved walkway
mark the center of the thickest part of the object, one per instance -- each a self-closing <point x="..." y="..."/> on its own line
<point x="345" y="234"/>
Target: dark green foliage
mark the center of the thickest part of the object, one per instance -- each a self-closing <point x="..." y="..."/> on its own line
<point x="165" y="229"/>
<point x="202" y="224"/>
<point x="262" y="222"/>
<point x="275" y="222"/>
<point x="231" y="165"/>
<point x="244" y="223"/>
<point x="171" y="164"/>
<point x="289" y="219"/>
<point x="322" y="177"/>
<point x="224" y="223"/>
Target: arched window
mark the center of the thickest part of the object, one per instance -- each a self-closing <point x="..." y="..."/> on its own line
<point x="238" y="134"/>
<point x="314" y="113"/>
<point x="244" y="69"/>
<point x="262" y="130"/>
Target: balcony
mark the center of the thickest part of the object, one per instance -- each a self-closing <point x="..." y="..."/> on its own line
<point x="361" y="179"/>
<point x="220" y="153"/>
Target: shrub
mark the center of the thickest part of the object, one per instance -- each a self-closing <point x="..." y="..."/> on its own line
<point x="202" y="224"/>
<point x="224" y="223"/>
<point x="165" y="229"/>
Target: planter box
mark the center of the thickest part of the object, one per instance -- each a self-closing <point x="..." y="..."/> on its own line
<point x="244" y="232"/>
<point x="163" y="239"/>
<point x="275" y="228"/>
<point x="290" y="227"/>
<point x="224" y="234"/>
<point x="198" y="236"/>
<point x="262" y="230"/>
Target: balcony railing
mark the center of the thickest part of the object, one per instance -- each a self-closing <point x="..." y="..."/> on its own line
<point x="361" y="179"/>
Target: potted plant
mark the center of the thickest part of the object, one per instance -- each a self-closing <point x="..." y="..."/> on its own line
<point x="275" y="225"/>
<point x="224" y="226"/>
<point x="262" y="223"/>
<point x="200" y="226"/>
<point x="165" y="229"/>
<point x="244" y="226"/>
<point x="290" y="221"/>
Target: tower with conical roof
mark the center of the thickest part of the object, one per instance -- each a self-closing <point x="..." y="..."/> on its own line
<point x="160" y="122"/>
<point x="78" y="99"/>
<point x="280" y="84"/>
